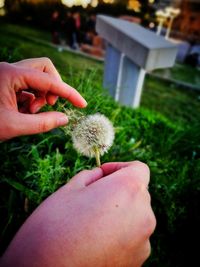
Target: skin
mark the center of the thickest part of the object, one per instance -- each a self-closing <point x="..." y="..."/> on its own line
<point x="26" y="86"/>
<point x="102" y="217"/>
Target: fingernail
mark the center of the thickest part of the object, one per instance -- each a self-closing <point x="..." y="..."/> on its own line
<point x="62" y="120"/>
<point x="84" y="103"/>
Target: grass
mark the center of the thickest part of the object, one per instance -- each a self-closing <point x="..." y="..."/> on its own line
<point x="179" y="105"/>
<point x="164" y="133"/>
<point x="176" y="104"/>
<point x="184" y="73"/>
<point x="22" y="45"/>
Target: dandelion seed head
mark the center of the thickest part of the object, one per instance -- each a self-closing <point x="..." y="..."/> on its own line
<point x="93" y="131"/>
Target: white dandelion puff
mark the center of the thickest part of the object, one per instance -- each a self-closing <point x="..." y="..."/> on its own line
<point x="93" y="135"/>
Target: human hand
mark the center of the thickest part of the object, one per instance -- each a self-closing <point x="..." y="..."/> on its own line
<point x="25" y="87"/>
<point x="102" y="217"/>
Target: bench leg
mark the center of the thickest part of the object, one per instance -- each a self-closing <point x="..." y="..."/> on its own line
<point x="123" y="78"/>
<point x="111" y="69"/>
<point x="130" y="83"/>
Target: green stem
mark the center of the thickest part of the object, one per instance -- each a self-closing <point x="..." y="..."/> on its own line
<point x="97" y="156"/>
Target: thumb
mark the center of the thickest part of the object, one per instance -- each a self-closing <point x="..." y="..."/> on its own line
<point x="26" y="124"/>
<point x="85" y="178"/>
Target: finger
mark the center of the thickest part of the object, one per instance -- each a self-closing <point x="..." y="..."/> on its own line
<point x="37" y="104"/>
<point x="43" y="64"/>
<point x="45" y="83"/>
<point x="40" y="102"/>
<point x="111" y="167"/>
<point x="135" y="170"/>
<point x="85" y="178"/>
<point x="51" y="99"/>
<point x="114" y="166"/>
<point x="24" y="100"/>
<point x="24" y="96"/>
<point x="27" y="124"/>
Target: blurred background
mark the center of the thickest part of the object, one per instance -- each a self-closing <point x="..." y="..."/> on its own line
<point x="72" y="22"/>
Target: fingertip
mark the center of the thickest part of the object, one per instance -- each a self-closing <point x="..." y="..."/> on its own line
<point x="51" y="99"/>
<point x="86" y="178"/>
<point x="74" y="96"/>
<point x="82" y="103"/>
<point x="62" y="120"/>
<point x="37" y="104"/>
<point x="141" y="165"/>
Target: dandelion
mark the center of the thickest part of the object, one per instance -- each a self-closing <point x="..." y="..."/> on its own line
<point x="93" y="135"/>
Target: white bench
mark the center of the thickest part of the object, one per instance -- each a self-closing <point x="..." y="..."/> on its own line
<point x="131" y="51"/>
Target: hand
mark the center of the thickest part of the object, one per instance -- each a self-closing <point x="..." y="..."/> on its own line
<point x="102" y="217"/>
<point x="25" y="87"/>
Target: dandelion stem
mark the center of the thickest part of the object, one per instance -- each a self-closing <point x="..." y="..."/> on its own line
<point x="97" y="156"/>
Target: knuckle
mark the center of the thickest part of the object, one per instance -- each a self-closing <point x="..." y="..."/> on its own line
<point x="43" y="126"/>
<point x="129" y="186"/>
<point x="149" y="225"/>
<point x="148" y="196"/>
<point x="141" y="172"/>
<point x="5" y="68"/>
<point x="47" y="60"/>
<point x="4" y="64"/>
<point x="134" y="179"/>
<point x="85" y="172"/>
<point x="147" y="249"/>
<point x="141" y="165"/>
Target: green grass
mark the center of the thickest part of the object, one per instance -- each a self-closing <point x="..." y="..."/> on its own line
<point x="25" y="32"/>
<point x="182" y="72"/>
<point x="19" y="41"/>
<point x="164" y="133"/>
<point x="179" y="105"/>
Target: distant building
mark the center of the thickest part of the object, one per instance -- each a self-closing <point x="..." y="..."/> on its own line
<point x="188" y="22"/>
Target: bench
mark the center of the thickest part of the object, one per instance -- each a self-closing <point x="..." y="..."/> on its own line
<point x="131" y="51"/>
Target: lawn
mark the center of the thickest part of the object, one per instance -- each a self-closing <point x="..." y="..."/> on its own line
<point x="183" y="73"/>
<point x="164" y="132"/>
<point x="177" y="104"/>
